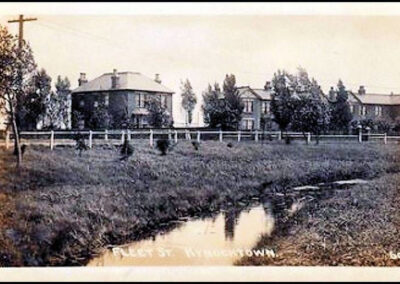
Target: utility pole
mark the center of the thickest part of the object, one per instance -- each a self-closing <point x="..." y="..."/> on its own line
<point x="21" y="21"/>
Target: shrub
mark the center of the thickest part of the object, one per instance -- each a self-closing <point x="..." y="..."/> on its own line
<point x="126" y="150"/>
<point x="196" y="145"/>
<point x="80" y="143"/>
<point x="162" y="146"/>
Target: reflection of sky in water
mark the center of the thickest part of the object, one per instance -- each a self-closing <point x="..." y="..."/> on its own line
<point x="227" y="231"/>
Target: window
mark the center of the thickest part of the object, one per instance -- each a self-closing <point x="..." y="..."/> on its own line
<point x="248" y="106"/>
<point x="351" y="108"/>
<point x="248" y="124"/>
<point x="363" y="110"/>
<point x="140" y="100"/>
<point x="95" y="104"/>
<point x="106" y="100"/>
<point x="164" y="100"/>
<point x="265" y="107"/>
<point x="378" y="110"/>
<point x="82" y="103"/>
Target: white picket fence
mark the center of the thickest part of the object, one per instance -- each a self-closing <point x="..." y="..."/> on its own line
<point x="49" y="138"/>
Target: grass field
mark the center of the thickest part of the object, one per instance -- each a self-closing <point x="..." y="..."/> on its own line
<point x="60" y="209"/>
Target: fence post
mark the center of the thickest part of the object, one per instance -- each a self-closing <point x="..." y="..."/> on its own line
<point x="169" y="134"/>
<point x="90" y="139"/>
<point x="198" y="136"/>
<point x="51" y="140"/>
<point x="122" y="136"/>
<point x="308" y="138"/>
<point x="106" y="135"/>
<point x="176" y="136"/>
<point x="360" y="135"/>
<point x="129" y="135"/>
<point x="7" y="139"/>
<point x="385" y="138"/>
<point x="151" y="137"/>
<point x="239" y="134"/>
<point x="256" y="135"/>
<point x="220" y="135"/>
<point x="279" y="135"/>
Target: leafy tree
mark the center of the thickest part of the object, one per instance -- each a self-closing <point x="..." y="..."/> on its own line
<point x="52" y="111"/>
<point x="63" y="91"/>
<point x="158" y="114"/>
<point x="233" y="103"/>
<point x="100" y="118"/>
<point x="340" y="109"/>
<point x="282" y="103"/>
<point x="213" y="106"/>
<point x="32" y="108"/>
<point x="16" y="66"/>
<point x="76" y="117"/>
<point x="189" y="99"/>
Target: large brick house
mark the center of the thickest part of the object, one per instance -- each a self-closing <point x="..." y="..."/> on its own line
<point x="374" y="106"/>
<point x="123" y="93"/>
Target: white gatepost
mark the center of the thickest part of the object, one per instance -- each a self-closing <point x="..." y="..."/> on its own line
<point x="198" y="136"/>
<point x="90" y="139"/>
<point x="220" y="135"/>
<point x="151" y="137"/>
<point x="256" y="135"/>
<point x="106" y="135"/>
<point x="279" y="135"/>
<point x="360" y="135"/>
<point x="239" y="135"/>
<point x="129" y="135"/>
<point x="51" y="140"/>
<point x="7" y="139"/>
<point x="308" y="138"/>
<point x="122" y="137"/>
<point x="176" y="136"/>
<point x="385" y="138"/>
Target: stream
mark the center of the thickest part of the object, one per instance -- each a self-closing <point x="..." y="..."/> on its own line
<point x="218" y="240"/>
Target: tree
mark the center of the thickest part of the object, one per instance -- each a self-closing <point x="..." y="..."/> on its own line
<point x="100" y="118"/>
<point x="340" y="109"/>
<point x="189" y="99"/>
<point x="16" y="66"/>
<point x="233" y="103"/>
<point x="52" y="111"/>
<point x="33" y="105"/>
<point x="63" y="91"/>
<point x="213" y="106"/>
<point x="223" y="109"/>
<point x="158" y="114"/>
<point x="282" y="103"/>
<point x="311" y="114"/>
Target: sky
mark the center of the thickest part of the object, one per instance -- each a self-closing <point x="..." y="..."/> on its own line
<point x="360" y="50"/>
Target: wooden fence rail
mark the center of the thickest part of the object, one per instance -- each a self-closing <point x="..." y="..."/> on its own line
<point x="53" y="138"/>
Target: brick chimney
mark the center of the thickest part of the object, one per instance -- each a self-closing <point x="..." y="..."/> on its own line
<point x="361" y="91"/>
<point x="114" y="80"/>
<point x="267" y="86"/>
<point x="157" y="78"/>
<point x="82" y="79"/>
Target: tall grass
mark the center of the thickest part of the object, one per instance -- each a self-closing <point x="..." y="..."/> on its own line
<point x="65" y="208"/>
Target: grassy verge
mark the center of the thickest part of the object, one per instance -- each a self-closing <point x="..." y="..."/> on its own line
<point x="356" y="227"/>
<point x="61" y="208"/>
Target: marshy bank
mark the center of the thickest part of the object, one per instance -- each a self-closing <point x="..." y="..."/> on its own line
<point x="64" y="209"/>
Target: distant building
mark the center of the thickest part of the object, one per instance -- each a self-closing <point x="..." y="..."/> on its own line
<point x="257" y="104"/>
<point x="123" y="93"/>
<point x="374" y="106"/>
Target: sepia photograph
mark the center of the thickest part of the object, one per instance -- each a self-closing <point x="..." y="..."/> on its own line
<point x="226" y="135"/>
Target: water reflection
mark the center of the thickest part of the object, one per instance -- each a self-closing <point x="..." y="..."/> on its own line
<point x="220" y="240"/>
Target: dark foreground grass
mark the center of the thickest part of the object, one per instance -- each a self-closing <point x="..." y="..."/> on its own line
<point x="61" y="209"/>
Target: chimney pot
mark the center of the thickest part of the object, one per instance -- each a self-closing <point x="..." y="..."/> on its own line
<point x="114" y="80"/>
<point x="82" y="79"/>
<point x="361" y="90"/>
<point x="267" y="85"/>
<point x="157" y="78"/>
